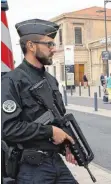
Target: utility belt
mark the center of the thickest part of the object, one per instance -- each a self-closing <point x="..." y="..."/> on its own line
<point x="29" y="156"/>
<point x="14" y="157"/>
<point x="36" y="157"/>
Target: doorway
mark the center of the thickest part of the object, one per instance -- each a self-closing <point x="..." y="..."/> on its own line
<point x="79" y="72"/>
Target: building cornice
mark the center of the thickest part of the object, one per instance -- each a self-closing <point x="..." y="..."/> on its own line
<point x="83" y="17"/>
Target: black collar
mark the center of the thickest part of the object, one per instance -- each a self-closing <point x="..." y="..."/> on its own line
<point x="40" y="70"/>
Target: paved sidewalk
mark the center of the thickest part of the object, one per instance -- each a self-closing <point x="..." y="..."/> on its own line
<point x="102" y="175"/>
<point x="86" y="109"/>
<point x="89" y="102"/>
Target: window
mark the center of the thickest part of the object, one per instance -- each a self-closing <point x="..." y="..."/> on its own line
<point x="60" y="36"/>
<point x="78" y="35"/>
<point x="54" y="69"/>
<point x="62" y="73"/>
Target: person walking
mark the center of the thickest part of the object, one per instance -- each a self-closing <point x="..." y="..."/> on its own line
<point x="102" y="79"/>
<point x="109" y="88"/>
<point x="85" y="80"/>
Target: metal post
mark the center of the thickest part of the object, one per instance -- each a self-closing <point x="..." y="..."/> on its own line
<point x="74" y="88"/>
<point x="105" y="21"/>
<point x="79" y="90"/>
<point x="65" y="96"/>
<point x="71" y="91"/>
<point x="99" y="91"/>
<point x="66" y="77"/>
<point x="95" y="102"/>
<point x="89" y="93"/>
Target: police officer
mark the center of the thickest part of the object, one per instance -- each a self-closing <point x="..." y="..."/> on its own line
<point x="20" y="109"/>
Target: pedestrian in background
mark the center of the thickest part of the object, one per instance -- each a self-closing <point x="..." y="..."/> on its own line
<point x="102" y="79"/>
<point x="109" y="87"/>
<point x="85" y="80"/>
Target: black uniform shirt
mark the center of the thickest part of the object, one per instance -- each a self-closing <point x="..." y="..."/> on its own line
<point x="20" y="109"/>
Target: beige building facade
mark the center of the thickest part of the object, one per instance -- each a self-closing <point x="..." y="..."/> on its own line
<point x="84" y="30"/>
<point x="97" y="64"/>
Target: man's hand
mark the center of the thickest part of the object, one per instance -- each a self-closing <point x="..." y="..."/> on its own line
<point x="70" y="157"/>
<point x="59" y="136"/>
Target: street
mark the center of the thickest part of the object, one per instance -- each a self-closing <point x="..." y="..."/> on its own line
<point x="97" y="130"/>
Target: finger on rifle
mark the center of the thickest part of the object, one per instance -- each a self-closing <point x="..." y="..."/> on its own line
<point x="70" y="139"/>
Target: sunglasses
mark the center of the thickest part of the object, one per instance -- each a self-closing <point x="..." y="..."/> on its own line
<point x="49" y="44"/>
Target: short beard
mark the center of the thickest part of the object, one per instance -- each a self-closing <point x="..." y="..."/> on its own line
<point x="43" y="59"/>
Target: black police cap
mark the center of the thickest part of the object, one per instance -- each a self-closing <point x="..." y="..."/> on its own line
<point x="37" y="26"/>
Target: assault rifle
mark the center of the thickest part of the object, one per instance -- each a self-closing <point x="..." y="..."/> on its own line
<point x="80" y="149"/>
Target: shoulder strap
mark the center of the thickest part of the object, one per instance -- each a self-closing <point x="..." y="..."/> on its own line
<point x="25" y="73"/>
<point x="33" y="80"/>
<point x="28" y="74"/>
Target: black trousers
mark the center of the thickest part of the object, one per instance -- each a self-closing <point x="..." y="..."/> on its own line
<point x="51" y="171"/>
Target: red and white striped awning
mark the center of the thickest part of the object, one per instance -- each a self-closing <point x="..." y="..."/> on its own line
<point x="7" y="62"/>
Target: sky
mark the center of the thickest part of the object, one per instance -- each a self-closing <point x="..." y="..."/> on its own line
<point x="20" y="10"/>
